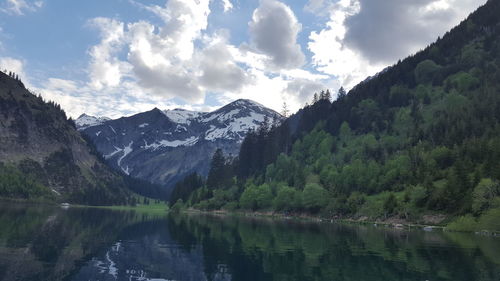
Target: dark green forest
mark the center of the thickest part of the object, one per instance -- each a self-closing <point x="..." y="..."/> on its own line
<point x="420" y="138"/>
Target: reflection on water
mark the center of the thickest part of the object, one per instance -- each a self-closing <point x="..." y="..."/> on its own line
<point x="42" y="243"/>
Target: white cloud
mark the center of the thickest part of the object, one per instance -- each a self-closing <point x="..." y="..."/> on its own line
<point x="303" y="89"/>
<point x="331" y="55"/>
<point x="227" y="5"/>
<point x="179" y="60"/>
<point x="320" y="8"/>
<point x="362" y="37"/>
<point x="105" y="68"/>
<point x="219" y="71"/>
<point x="273" y="30"/>
<point x="19" y="7"/>
<point x="77" y="98"/>
<point x="14" y="65"/>
<point x="184" y="22"/>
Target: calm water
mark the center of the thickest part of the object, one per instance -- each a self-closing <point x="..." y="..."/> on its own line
<point x="40" y="243"/>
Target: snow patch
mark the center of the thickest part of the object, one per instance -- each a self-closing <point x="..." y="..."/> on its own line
<point x="126" y="170"/>
<point x="180" y="128"/>
<point x="117" y="150"/>
<point x="174" y="143"/>
<point x="98" y="133"/>
<point x="236" y="129"/>
<point x="126" y="150"/>
<point x="143" y="125"/>
<point x="181" y="116"/>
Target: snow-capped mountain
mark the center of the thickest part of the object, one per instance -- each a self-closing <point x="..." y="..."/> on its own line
<point x="85" y="121"/>
<point x="164" y="146"/>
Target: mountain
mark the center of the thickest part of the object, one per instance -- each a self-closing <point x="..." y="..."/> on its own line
<point x="42" y="155"/>
<point x="419" y="141"/>
<point x="85" y="121"/>
<point x="165" y="146"/>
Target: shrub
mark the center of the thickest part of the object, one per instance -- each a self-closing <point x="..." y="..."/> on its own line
<point x="287" y="198"/>
<point x="465" y="224"/>
<point x="314" y="197"/>
<point x="484" y="194"/>
<point x="490" y="220"/>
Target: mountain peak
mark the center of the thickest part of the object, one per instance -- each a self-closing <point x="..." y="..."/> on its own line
<point x="245" y="102"/>
<point x="181" y="116"/>
<point x="84" y="121"/>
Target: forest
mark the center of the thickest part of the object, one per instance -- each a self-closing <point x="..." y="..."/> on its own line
<point x="420" y="138"/>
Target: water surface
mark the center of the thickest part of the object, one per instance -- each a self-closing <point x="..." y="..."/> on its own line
<point x="47" y="243"/>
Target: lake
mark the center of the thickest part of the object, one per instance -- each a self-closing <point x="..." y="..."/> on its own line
<point x="51" y="243"/>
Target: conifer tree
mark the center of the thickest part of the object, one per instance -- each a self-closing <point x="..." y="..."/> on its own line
<point x="217" y="170"/>
<point x="315" y="98"/>
<point x="284" y="110"/>
<point x="341" y="93"/>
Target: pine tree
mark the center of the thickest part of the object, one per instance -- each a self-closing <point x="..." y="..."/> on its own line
<point x="327" y="96"/>
<point x="284" y="110"/>
<point x="315" y="98"/>
<point x="322" y="95"/>
<point x="341" y="93"/>
<point x="217" y="170"/>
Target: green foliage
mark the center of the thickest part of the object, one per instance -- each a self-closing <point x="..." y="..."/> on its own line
<point x="256" y="197"/>
<point x="219" y="174"/>
<point x="287" y="199"/>
<point x="15" y="184"/>
<point x="490" y="220"/>
<point x="314" y="197"/>
<point x="462" y="82"/>
<point x="183" y="189"/>
<point x="177" y="207"/>
<point x="390" y="204"/>
<point x="425" y="71"/>
<point x="463" y="224"/>
<point x="484" y="195"/>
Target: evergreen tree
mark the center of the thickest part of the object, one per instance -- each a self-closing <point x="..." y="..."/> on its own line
<point x="327" y="96"/>
<point x="315" y="98"/>
<point x="284" y="110"/>
<point x="341" y="93"/>
<point x="217" y="172"/>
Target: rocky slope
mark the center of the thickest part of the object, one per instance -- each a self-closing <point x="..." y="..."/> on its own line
<point x="164" y="146"/>
<point x="41" y="149"/>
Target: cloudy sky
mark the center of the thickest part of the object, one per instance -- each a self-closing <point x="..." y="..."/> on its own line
<point x="120" y="57"/>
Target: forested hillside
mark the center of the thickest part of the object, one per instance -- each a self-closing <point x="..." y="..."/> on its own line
<point x="420" y="138"/>
<point x="43" y="157"/>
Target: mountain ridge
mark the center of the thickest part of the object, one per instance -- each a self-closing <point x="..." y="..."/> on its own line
<point x="164" y="145"/>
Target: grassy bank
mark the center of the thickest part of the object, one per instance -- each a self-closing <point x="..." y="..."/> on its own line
<point x="157" y="208"/>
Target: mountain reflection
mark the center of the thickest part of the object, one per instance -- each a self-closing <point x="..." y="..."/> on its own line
<point x="41" y="243"/>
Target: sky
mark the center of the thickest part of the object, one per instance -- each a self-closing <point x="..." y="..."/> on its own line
<point x="120" y="57"/>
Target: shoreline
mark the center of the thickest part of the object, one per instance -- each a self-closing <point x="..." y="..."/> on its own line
<point x="303" y="217"/>
<point x="152" y="208"/>
<point x="402" y="225"/>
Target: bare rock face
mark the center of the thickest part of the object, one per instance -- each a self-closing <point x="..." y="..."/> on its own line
<point x="165" y="146"/>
